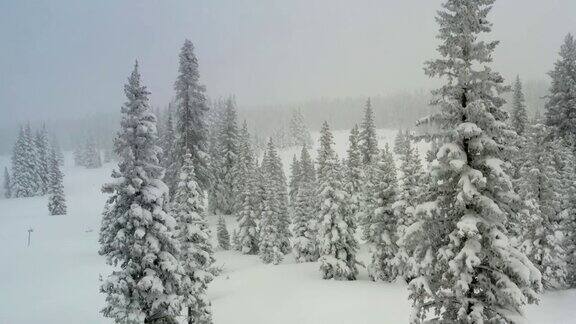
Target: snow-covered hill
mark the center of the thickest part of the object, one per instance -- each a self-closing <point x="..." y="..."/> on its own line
<point x="56" y="279"/>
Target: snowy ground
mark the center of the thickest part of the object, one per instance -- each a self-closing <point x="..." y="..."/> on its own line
<point x="56" y="279"/>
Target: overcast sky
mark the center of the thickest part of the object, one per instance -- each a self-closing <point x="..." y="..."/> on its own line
<point x="72" y="57"/>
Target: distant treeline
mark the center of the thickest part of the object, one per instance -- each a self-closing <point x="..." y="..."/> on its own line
<point x="399" y="110"/>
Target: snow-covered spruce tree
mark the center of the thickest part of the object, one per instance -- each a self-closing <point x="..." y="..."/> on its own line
<point x="273" y="169"/>
<point x="410" y="187"/>
<point x="561" y="103"/>
<point x="247" y="196"/>
<point x="236" y="240"/>
<point x="299" y="133"/>
<point x="400" y="141"/>
<point x="519" y="116"/>
<point x="191" y="129"/>
<point x="196" y="253"/>
<point x="7" y="184"/>
<point x="565" y="154"/>
<point x="56" y="146"/>
<point x="466" y="270"/>
<point x="91" y="156"/>
<point x="540" y="185"/>
<point x="149" y="284"/>
<point x="368" y="141"/>
<point x="222" y="234"/>
<point x="243" y="169"/>
<point x="304" y="224"/>
<point x="247" y="227"/>
<point x="225" y="161"/>
<point x="380" y="222"/>
<point x="167" y="142"/>
<point x="56" y="199"/>
<point x="25" y="179"/>
<point x="519" y="122"/>
<point x="273" y="237"/>
<point x="354" y="172"/>
<point x="42" y="146"/>
<point x="336" y="228"/>
<point x="295" y="175"/>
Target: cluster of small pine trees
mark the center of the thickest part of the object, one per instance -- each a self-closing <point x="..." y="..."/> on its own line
<point x="36" y="169"/>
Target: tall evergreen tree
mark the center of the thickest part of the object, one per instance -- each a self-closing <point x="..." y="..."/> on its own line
<point x="338" y="246"/>
<point x="225" y="162"/>
<point x="196" y="253"/>
<point x="191" y="129"/>
<point x="56" y="199"/>
<point x="400" y="141"/>
<point x="355" y="172"/>
<point x="274" y="223"/>
<point x="295" y="177"/>
<point x="380" y="222"/>
<point x="7" y="184"/>
<point x="25" y="179"/>
<point x="42" y="146"/>
<point x="561" y="103"/>
<point x="304" y="224"/>
<point x="91" y="156"/>
<point x="519" y="117"/>
<point x="56" y="146"/>
<point x="541" y="187"/>
<point x="368" y="140"/>
<point x="149" y="284"/>
<point x="167" y="143"/>
<point x="246" y="195"/>
<point x="223" y="234"/>
<point x="299" y="133"/>
<point x="466" y="269"/>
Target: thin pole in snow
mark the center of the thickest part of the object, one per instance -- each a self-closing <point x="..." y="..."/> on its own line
<point x="30" y="230"/>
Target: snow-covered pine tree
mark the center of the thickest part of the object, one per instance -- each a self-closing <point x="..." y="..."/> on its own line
<point x="368" y="141"/>
<point x="236" y="246"/>
<point x="307" y="165"/>
<point x="223" y="235"/>
<point x="380" y="222"/>
<point x="56" y="146"/>
<point x="295" y="176"/>
<point x="299" y="133"/>
<point x="196" y="253"/>
<point x="25" y="180"/>
<point x="410" y="187"/>
<point x="42" y="146"/>
<point x="466" y="269"/>
<point x="223" y="192"/>
<point x="56" y="199"/>
<point x="273" y="239"/>
<point x="304" y="223"/>
<point x="540" y="185"/>
<point x="274" y="170"/>
<point x="191" y="129"/>
<point x="336" y="228"/>
<point x="565" y="154"/>
<point x="167" y="142"/>
<point x="7" y="184"/>
<point x="354" y="172"/>
<point x="149" y="284"/>
<point x="248" y="205"/>
<point x="561" y="103"/>
<point x="91" y="156"/>
<point x="400" y="141"/>
<point x="519" y="116"/>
